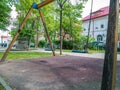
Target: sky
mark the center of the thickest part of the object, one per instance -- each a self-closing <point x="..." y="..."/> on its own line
<point x="13" y="12"/>
<point x="97" y="4"/>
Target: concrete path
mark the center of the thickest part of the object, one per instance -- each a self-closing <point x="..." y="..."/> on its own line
<point x="93" y="55"/>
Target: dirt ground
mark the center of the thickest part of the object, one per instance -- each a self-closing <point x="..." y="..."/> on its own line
<point x="55" y="73"/>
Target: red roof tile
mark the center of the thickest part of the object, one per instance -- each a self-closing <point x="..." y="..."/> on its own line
<point x="5" y="36"/>
<point x="99" y="13"/>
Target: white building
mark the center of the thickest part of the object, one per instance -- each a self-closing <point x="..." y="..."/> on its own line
<point x="99" y="23"/>
<point x="5" y="37"/>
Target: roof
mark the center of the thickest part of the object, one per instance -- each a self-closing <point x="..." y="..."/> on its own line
<point x="99" y="13"/>
<point x="5" y="36"/>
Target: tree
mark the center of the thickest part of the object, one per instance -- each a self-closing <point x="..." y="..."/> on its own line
<point x="71" y="15"/>
<point x="70" y="22"/>
<point x="61" y="3"/>
<point x="33" y="25"/>
<point x="5" y="14"/>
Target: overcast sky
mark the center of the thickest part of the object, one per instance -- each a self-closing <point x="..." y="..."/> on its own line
<point x="97" y="4"/>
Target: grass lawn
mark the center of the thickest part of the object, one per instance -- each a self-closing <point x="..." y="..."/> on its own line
<point x="89" y="51"/>
<point x="1" y="87"/>
<point x="25" y="55"/>
<point x="63" y="50"/>
<point x="96" y="51"/>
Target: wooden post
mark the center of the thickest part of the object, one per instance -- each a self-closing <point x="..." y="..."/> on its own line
<point x="44" y="3"/>
<point x="46" y="31"/>
<point x="15" y="37"/>
<point x="109" y="69"/>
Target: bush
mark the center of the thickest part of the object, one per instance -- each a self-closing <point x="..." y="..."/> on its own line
<point x="41" y="43"/>
<point x="57" y="43"/>
<point x="66" y="44"/>
<point x="97" y="45"/>
<point x="32" y="44"/>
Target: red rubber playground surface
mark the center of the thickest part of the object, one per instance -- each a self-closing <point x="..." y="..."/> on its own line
<point x="55" y="73"/>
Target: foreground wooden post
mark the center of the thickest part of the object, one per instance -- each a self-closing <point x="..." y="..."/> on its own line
<point x="46" y="31"/>
<point x="109" y="69"/>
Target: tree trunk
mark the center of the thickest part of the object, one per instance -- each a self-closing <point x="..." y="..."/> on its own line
<point x="61" y="37"/>
<point x="36" y="41"/>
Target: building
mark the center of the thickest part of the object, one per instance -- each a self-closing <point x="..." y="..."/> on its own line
<point x="99" y="23"/>
<point x="5" y="38"/>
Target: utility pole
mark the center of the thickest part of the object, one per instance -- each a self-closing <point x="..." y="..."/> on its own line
<point x="109" y="69"/>
<point x="87" y="41"/>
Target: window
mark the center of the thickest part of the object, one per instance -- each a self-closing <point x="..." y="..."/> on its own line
<point x="96" y="27"/>
<point x="96" y="13"/>
<point x="99" y="38"/>
<point x="67" y="38"/>
<point x="84" y="29"/>
<point x="102" y="26"/>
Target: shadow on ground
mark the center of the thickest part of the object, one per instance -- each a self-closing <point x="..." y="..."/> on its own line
<point x="55" y="73"/>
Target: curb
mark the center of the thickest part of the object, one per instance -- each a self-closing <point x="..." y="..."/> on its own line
<point x="4" y="84"/>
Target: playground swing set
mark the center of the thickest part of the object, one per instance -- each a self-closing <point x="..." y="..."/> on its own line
<point x="34" y="6"/>
<point x="109" y="69"/>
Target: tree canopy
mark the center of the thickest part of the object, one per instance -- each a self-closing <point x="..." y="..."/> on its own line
<point x="71" y="14"/>
<point x="5" y="9"/>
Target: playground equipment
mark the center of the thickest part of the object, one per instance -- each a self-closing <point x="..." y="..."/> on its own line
<point x="34" y="6"/>
<point x="109" y="69"/>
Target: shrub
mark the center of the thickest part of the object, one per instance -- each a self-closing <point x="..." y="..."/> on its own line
<point x="66" y="44"/>
<point x="41" y="43"/>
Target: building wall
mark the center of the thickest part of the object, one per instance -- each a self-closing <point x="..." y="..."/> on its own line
<point x="0" y="36"/>
<point x="5" y="37"/>
<point x="98" y="28"/>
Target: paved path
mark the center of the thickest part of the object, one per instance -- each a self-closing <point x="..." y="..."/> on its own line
<point x="93" y="55"/>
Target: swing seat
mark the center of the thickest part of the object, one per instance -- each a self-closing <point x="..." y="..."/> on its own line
<point x="80" y="51"/>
